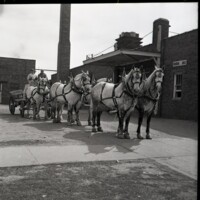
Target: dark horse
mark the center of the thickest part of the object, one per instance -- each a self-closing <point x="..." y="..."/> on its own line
<point x="148" y="98"/>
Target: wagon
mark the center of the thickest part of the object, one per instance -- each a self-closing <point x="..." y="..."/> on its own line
<point x="16" y="99"/>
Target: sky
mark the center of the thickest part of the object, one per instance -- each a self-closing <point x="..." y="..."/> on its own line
<point x="31" y="31"/>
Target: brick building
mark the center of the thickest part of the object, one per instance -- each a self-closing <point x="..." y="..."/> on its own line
<point x="180" y="88"/>
<point x="13" y="74"/>
<point x="177" y="53"/>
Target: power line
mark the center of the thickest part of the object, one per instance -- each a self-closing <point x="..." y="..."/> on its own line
<point x="147" y="34"/>
<point x="103" y="50"/>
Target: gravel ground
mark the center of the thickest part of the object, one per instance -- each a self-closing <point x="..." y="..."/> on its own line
<point x="133" y="179"/>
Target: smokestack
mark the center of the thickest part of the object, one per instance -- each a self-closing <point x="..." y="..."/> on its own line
<point x="63" y="61"/>
<point x="160" y="31"/>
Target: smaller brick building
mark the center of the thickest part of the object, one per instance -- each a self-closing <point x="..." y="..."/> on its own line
<point x="13" y="75"/>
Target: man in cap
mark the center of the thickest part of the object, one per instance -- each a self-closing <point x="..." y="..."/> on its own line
<point x="32" y="81"/>
<point x="42" y="74"/>
<point x="32" y="78"/>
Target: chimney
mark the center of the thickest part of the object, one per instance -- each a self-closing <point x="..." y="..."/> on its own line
<point x="160" y="31"/>
<point x="128" y="40"/>
<point x="63" y="61"/>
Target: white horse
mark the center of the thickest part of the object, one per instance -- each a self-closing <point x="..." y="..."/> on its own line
<point x="122" y="97"/>
<point x="86" y="98"/>
<point x="35" y="96"/>
<point x="148" y="99"/>
<point x="69" y="94"/>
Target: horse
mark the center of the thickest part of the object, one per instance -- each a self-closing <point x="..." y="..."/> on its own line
<point x="148" y="97"/>
<point x="122" y="97"/>
<point x="35" y="96"/>
<point x="87" y="97"/>
<point x="69" y="94"/>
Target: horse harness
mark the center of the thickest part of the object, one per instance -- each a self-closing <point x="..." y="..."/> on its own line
<point x="114" y="97"/>
<point x="73" y="88"/>
<point x="36" y="91"/>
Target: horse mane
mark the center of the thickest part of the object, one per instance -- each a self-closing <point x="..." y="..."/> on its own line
<point x="148" y="82"/>
<point x="127" y="76"/>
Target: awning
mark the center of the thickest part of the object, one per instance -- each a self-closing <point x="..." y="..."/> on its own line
<point x="122" y="57"/>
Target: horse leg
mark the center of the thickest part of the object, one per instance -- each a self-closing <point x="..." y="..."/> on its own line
<point x="55" y="116"/>
<point x="126" y="133"/>
<point x="99" y="128"/>
<point x="60" y="111"/>
<point x="140" y="119"/>
<point x="89" y="118"/>
<point x="94" y="115"/>
<point x="34" y="111"/>
<point x="77" y="108"/>
<point x="69" y="114"/>
<point x="38" y="110"/>
<point x="28" y="108"/>
<point x="148" y="126"/>
<point x="120" y="133"/>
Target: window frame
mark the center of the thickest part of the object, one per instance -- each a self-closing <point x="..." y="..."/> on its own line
<point x="175" y="85"/>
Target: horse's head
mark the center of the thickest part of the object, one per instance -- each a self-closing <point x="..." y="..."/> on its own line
<point x="132" y="80"/>
<point x="158" y="78"/>
<point x="86" y="81"/>
<point x="82" y="81"/>
<point x="42" y="84"/>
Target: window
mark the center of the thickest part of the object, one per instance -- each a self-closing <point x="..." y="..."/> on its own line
<point x="177" y="86"/>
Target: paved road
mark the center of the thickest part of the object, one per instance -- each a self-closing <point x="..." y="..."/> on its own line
<point x="28" y="142"/>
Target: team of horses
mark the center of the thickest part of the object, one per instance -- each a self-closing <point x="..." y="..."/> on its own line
<point x="133" y="92"/>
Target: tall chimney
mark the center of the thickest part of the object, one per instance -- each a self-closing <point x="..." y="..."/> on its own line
<point x="160" y="31"/>
<point x="63" y="62"/>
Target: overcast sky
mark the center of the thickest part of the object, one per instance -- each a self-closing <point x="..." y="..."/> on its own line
<point x="31" y="31"/>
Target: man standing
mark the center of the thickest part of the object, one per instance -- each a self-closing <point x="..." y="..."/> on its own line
<point x="42" y="74"/>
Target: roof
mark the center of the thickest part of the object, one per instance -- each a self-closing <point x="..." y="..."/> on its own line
<point x="121" y="57"/>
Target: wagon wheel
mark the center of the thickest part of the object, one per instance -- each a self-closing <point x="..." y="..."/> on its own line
<point x="12" y="106"/>
<point x="22" y="104"/>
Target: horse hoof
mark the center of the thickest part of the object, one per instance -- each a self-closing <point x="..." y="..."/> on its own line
<point x="79" y="124"/>
<point x="99" y="129"/>
<point x="69" y="124"/>
<point x="94" y="129"/>
<point x="140" y="137"/>
<point x="148" y="137"/>
<point x="127" y="136"/>
<point x="120" y="136"/>
<point x="89" y="124"/>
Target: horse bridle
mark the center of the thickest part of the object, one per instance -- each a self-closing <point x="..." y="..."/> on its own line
<point x="40" y="88"/>
<point x="150" y="96"/>
<point x="127" y="87"/>
<point x="80" y="90"/>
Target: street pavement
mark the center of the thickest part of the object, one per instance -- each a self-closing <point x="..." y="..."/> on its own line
<point x="173" y="144"/>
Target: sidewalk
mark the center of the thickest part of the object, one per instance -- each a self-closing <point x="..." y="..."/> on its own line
<point x="174" y="144"/>
<point x="178" y="153"/>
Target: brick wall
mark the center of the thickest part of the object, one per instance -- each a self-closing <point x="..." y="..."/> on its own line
<point x="13" y="74"/>
<point x="181" y="47"/>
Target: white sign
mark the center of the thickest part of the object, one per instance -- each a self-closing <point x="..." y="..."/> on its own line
<point x="179" y="63"/>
